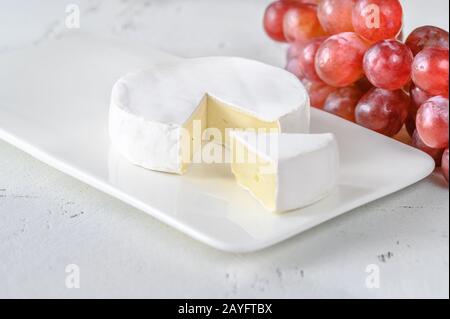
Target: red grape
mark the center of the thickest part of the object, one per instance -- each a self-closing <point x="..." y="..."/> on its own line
<point x="301" y="1"/>
<point x="401" y="36"/>
<point x="445" y="164"/>
<point x="436" y="154"/>
<point x="377" y="20"/>
<point x="273" y="20"/>
<point x="418" y="97"/>
<point x="410" y="124"/>
<point x="364" y="85"/>
<point x="427" y="37"/>
<point x="301" y="23"/>
<point x="430" y="71"/>
<point x="387" y="64"/>
<point x="335" y="16"/>
<point x="407" y="86"/>
<point x="306" y="59"/>
<point x="339" y="60"/>
<point x="293" y="67"/>
<point x="432" y="122"/>
<point x="343" y="102"/>
<point x="318" y="92"/>
<point x="294" y="50"/>
<point x="383" y="111"/>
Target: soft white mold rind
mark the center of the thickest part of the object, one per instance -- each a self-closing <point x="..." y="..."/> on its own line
<point x="143" y="139"/>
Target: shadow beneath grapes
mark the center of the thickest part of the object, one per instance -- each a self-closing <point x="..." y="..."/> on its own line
<point x="438" y="179"/>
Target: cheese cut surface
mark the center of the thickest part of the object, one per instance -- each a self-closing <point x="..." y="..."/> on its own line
<point x="285" y="171"/>
<point x="152" y="110"/>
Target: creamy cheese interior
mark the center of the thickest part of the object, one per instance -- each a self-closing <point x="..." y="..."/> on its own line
<point x="254" y="173"/>
<point x="212" y="113"/>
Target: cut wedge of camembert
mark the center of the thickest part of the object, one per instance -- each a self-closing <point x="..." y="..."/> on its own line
<point x="153" y="113"/>
<point x="285" y="171"/>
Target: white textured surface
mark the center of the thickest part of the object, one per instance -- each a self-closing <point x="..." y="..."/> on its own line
<point x="49" y="220"/>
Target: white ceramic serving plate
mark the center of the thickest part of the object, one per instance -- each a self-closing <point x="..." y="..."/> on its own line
<point x="54" y="102"/>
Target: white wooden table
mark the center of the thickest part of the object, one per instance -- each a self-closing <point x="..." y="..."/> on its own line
<point x="49" y="220"/>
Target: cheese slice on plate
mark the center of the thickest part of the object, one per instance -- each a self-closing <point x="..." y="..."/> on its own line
<point x="154" y="113"/>
<point x="285" y="171"/>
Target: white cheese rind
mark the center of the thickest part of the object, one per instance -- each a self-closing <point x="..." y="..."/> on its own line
<point x="144" y="143"/>
<point x="307" y="165"/>
<point x="149" y="108"/>
<point x="308" y="177"/>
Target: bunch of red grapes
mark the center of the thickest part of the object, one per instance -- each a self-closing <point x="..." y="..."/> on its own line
<point x="350" y="56"/>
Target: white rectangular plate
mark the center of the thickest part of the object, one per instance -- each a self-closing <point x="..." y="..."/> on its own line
<point x="54" y="103"/>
